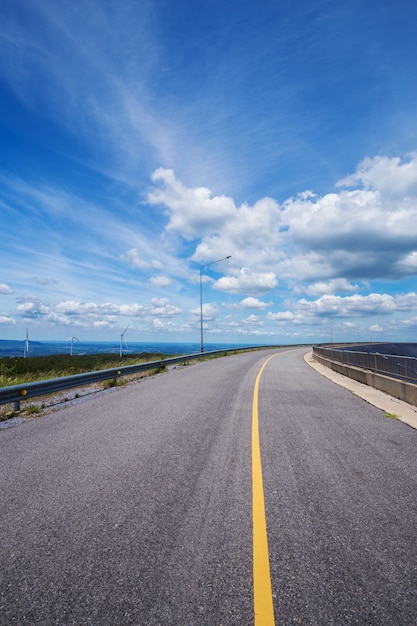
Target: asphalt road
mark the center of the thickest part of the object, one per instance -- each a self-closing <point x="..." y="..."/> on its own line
<point x="135" y="507"/>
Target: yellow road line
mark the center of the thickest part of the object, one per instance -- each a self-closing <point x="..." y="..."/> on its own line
<point x="262" y="588"/>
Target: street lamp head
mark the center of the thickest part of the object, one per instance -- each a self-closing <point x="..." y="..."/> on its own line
<point x="214" y="262"/>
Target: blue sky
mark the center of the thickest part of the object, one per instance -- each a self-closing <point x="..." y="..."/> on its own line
<point x="143" y="139"/>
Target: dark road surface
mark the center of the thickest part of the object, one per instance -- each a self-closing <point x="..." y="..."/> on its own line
<point x="135" y="507"/>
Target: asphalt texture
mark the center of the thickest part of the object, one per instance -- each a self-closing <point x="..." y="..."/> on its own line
<point x="134" y="507"/>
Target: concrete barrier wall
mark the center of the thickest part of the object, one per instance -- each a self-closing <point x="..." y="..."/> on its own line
<point x="396" y="388"/>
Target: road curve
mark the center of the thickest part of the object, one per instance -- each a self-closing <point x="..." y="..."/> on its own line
<point x="135" y="507"/>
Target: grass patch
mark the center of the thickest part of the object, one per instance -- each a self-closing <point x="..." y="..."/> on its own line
<point x="114" y="382"/>
<point x="6" y="414"/>
<point x="18" y="370"/>
<point x="32" y="409"/>
<point x="391" y="416"/>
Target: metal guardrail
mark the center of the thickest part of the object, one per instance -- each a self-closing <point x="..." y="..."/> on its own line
<point x="399" y="367"/>
<point x="17" y="393"/>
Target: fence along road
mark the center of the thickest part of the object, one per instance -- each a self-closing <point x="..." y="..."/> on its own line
<point x="135" y="507"/>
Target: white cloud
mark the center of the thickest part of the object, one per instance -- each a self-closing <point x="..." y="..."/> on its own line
<point x="406" y="302"/>
<point x="408" y="264"/>
<point x="374" y="303"/>
<point x="350" y="220"/>
<point x="93" y="315"/>
<point x="321" y="287"/>
<point x="164" y="310"/>
<point x="390" y="176"/>
<point x="192" y="212"/>
<point x="221" y="228"/>
<point x="376" y="328"/>
<point x="247" y="281"/>
<point x="410" y="323"/>
<point x="364" y="233"/>
<point x="84" y="314"/>
<point x="6" y="319"/>
<point x="5" y="289"/>
<point x="72" y="307"/>
<point x="252" y="303"/>
<point x="132" y="310"/>
<point x="210" y="311"/>
<point x="330" y="306"/>
<point x="282" y="316"/>
<point x="32" y="308"/>
<point x="332" y="240"/>
<point x="157" y="307"/>
<point x="252" y="320"/>
<point x="100" y="324"/>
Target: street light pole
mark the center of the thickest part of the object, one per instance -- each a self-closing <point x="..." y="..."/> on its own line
<point x="201" y="297"/>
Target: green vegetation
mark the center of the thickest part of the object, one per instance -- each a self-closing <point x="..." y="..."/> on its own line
<point x="7" y="413"/>
<point x="17" y="370"/>
<point x="32" y="409"/>
<point x="114" y="382"/>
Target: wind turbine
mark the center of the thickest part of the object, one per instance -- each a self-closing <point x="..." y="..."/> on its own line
<point x="26" y="348"/>
<point x="121" y="340"/>
<point x="72" y="341"/>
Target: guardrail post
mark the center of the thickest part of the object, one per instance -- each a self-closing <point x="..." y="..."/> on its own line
<point x="16" y="405"/>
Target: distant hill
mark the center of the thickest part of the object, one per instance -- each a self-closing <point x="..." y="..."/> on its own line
<point x="18" y="342"/>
